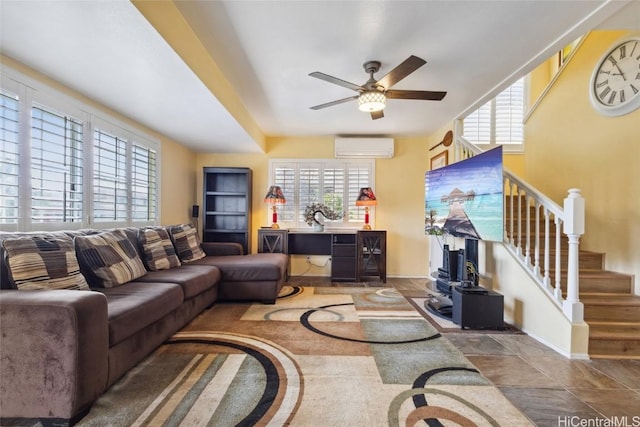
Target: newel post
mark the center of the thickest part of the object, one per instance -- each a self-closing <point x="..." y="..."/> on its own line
<point x="573" y="228"/>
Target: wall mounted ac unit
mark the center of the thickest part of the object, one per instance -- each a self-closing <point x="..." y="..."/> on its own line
<point x="363" y="148"/>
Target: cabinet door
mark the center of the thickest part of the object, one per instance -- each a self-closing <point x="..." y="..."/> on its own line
<point x="272" y="241"/>
<point x="372" y="254"/>
<point x="227" y="206"/>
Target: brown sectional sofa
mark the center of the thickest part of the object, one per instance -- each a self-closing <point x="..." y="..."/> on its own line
<point x="61" y="349"/>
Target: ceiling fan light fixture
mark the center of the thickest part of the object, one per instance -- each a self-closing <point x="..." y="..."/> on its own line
<point x="371" y="101"/>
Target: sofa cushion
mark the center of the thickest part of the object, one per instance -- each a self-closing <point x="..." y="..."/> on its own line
<point x="158" y="250"/>
<point x="194" y="279"/>
<point x="135" y="305"/>
<point x="187" y="242"/>
<point x="44" y="262"/>
<point x="110" y="258"/>
<point x="243" y="268"/>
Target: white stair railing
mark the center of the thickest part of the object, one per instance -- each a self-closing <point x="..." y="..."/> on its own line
<point x="534" y="249"/>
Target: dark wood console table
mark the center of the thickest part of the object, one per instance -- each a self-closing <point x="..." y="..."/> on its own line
<point x="354" y="253"/>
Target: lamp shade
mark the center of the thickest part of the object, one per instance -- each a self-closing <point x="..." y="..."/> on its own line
<point x="366" y="197"/>
<point x="371" y="100"/>
<point x="275" y="195"/>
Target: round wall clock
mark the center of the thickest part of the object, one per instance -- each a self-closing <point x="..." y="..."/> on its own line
<point x="614" y="88"/>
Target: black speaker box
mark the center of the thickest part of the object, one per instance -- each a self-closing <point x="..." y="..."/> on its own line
<point x="195" y="211"/>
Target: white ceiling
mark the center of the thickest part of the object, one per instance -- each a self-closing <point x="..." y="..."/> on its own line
<point x="109" y="52"/>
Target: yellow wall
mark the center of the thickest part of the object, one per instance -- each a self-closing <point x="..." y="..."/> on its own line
<point x="515" y="164"/>
<point x="570" y="145"/>
<point x="178" y="183"/>
<point x="178" y="179"/>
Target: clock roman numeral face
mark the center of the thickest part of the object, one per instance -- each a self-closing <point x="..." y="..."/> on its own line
<point x="617" y="80"/>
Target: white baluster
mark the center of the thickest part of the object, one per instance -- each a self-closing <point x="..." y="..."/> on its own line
<point x="546" y="279"/>
<point x="511" y="241"/>
<point x="536" y="263"/>
<point x="519" y="245"/>
<point x="506" y="185"/>
<point x="527" y="250"/>
<point x="558" y="287"/>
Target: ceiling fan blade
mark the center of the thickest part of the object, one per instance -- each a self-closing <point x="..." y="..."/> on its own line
<point x="409" y="65"/>
<point x="426" y="95"/>
<point x="335" y="80"/>
<point x="377" y="115"/>
<point x="339" y="101"/>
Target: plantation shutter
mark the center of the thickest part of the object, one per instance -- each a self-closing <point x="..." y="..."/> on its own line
<point x="358" y="178"/>
<point x="9" y="158"/>
<point x="509" y="115"/>
<point x="333" y="183"/>
<point x="333" y="189"/>
<point x="477" y="125"/>
<point x="143" y="184"/>
<point x="56" y="167"/>
<point x="499" y="121"/>
<point x="285" y="177"/>
<point x="109" y="177"/>
<point x="308" y="188"/>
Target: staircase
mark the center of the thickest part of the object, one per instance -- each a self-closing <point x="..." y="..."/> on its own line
<point x="611" y="309"/>
<point x="533" y="234"/>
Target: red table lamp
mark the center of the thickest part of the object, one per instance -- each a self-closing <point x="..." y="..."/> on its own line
<point x="366" y="198"/>
<point x="274" y="196"/>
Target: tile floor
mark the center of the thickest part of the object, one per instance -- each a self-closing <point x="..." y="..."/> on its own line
<point x="547" y="387"/>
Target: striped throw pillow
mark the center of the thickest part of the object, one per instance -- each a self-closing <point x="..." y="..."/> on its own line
<point x="187" y="243"/>
<point x="110" y="258"/>
<point x="43" y="263"/>
<point x="158" y="250"/>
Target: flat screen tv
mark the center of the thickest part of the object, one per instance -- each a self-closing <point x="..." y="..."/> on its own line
<point x="465" y="199"/>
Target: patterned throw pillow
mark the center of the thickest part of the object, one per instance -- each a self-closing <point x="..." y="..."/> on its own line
<point x="187" y="243"/>
<point x="158" y="250"/>
<point x="43" y="263"/>
<point x="110" y="257"/>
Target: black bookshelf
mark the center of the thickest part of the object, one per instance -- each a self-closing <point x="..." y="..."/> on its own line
<point x="227" y="206"/>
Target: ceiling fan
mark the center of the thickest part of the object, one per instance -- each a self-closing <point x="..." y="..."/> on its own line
<point x="372" y="95"/>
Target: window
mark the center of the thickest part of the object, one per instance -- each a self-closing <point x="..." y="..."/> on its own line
<point x="64" y="166"/>
<point x="109" y="177"/>
<point x="499" y="121"/>
<point x="332" y="182"/>
<point x="9" y="158"/>
<point x="143" y="183"/>
<point x="56" y="167"/>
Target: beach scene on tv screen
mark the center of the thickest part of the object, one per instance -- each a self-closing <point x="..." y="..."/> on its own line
<point x="465" y="199"/>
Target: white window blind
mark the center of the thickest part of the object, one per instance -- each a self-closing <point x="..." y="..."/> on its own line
<point x="143" y="183"/>
<point x="477" y="125"/>
<point x="334" y="189"/>
<point x="65" y="165"/>
<point x="308" y="188"/>
<point x="56" y="167"/>
<point x="334" y="183"/>
<point x="9" y="158"/>
<point x="358" y="178"/>
<point x="509" y="113"/>
<point x="285" y="177"/>
<point x="109" y="177"/>
<point x="499" y="121"/>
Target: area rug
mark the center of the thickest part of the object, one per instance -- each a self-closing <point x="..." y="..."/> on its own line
<point x="318" y="357"/>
